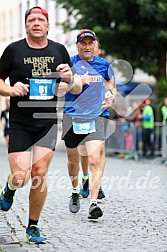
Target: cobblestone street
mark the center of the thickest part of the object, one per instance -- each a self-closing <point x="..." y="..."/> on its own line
<point x="134" y="217"/>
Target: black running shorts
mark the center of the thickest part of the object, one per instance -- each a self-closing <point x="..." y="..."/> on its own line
<point x="23" y="137"/>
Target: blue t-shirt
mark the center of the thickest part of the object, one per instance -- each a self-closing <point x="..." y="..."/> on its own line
<point x="105" y="113"/>
<point x="88" y="104"/>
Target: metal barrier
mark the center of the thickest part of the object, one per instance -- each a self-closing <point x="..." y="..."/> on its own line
<point x="127" y="140"/>
<point x="164" y="141"/>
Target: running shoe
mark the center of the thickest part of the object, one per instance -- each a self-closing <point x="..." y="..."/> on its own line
<point x="74" y="204"/>
<point x="6" y="198"/>
<point x="85" y="188"/>
<point x="94" y="211"/>
<point x="33" y="235"/>
<point x="101" y="194"/>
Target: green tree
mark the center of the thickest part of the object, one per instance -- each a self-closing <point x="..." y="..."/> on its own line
<point x="134" y="30"/>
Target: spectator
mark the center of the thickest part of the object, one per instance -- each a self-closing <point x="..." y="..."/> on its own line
<point x="164" y="129"/>
<point x="164" y="111"/>
<point x="148" y="129"/>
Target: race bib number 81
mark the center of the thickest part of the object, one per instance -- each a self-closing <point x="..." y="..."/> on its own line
<point x="42" y="89"/>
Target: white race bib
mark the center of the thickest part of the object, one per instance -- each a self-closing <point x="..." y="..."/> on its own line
<point x="84" y="127"/>
<point x="42" y="89"/>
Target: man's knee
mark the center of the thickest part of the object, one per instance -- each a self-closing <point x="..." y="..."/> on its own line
<point x="19" y="178"/>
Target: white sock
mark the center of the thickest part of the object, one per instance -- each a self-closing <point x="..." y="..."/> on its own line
<point x="93" y="201"/>
<point x="76" y="189"/>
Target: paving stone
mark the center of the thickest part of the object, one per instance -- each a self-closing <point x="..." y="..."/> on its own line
<point x="134" y="210"/>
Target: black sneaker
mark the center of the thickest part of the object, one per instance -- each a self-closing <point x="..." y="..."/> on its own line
<point x="94" y="211"/>
<point x="74" y="204"/>
<point x="85" y="188"/>
<point x="101" y="194"/>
